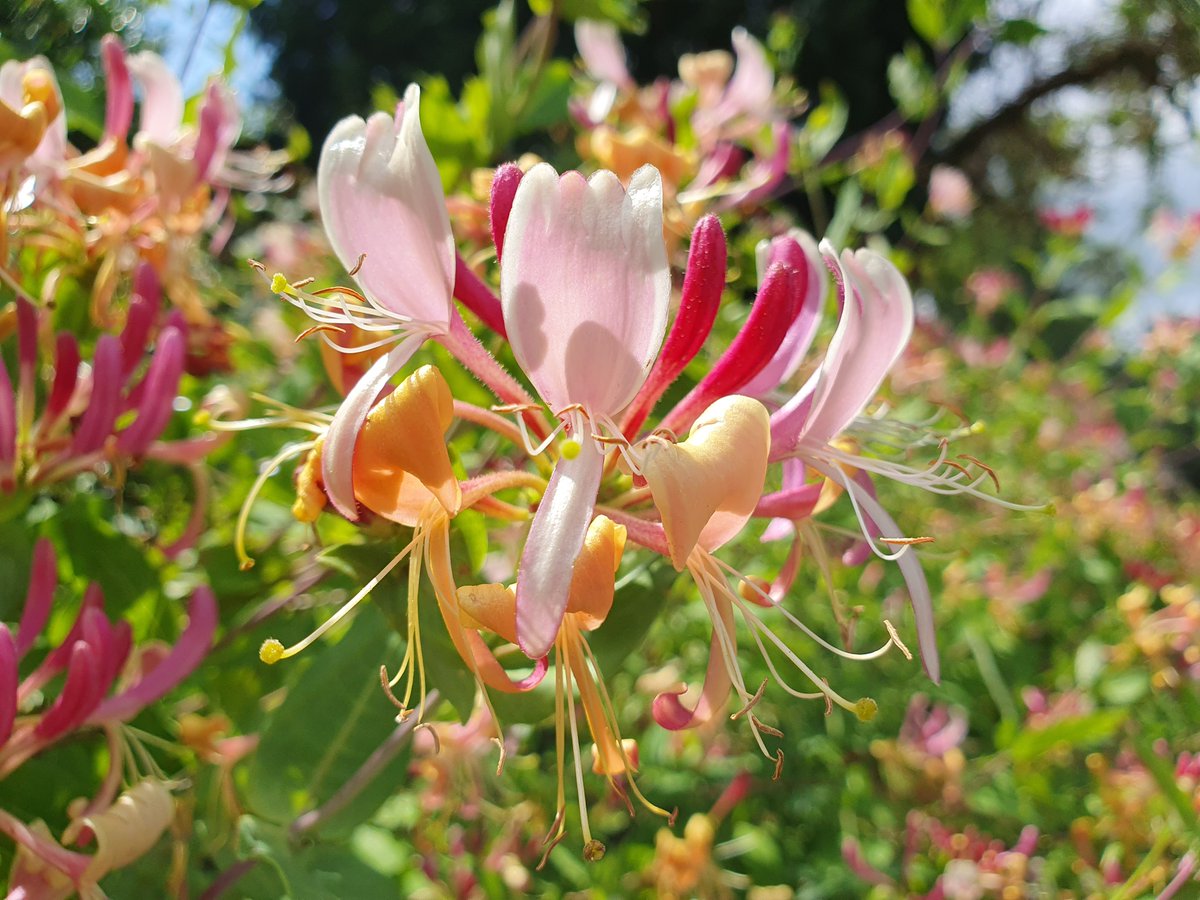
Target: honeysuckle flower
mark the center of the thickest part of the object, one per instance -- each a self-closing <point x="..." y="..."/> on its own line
<point x="123" y="832"/>
<point x="821" y="426"/>
<point x="585" y="286"/>
<point x="385" y="214"/>
<point x="92" y="656"/>
<point x="410" y="482"/>
<point x="110" y="411"/>
<point x="494" y="607"/>
<point x="968" y="863"/>
<point x="702" y="160"/>
<point x="706" y="488"/>
<point x="33" y="136"/>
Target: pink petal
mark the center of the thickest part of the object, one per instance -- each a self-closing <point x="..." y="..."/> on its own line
<point x="702" y="285"/>
<point x="555" y="539"/>
<point x="753" y="82"/>
<point x="756" y="343"/>
<point x="193" y="645"/>
<point x="504" y="191"/>
<point x="78" y="696"/>
<point x="8" y="683"/>
<point x="220" y="125"/>
<point x="66" y="376"/>
<point x="43" y="579"/>
<point x="118" y="88"/>
<point x="381" y="195"/>
<point x="144" y="310"/>
<point x="585" y="286"/>
<point x="158" y="394"/>
<point x="96" y="424"/>
<point x="338" y="453"/>
<point x="162" y="98"/>
<point x="8" y="418"/>
<point x="669" y="711"/>
<point x="798" y="250"/>
<point x="874" y="328"/>
<point x="600" y="48"/>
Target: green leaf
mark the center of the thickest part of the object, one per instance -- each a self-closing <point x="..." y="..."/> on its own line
<point x="640" y="595"/>
<point x="1020" y="32"/>
<point x="911" y="84"/>
<point x="98" y="552"/>
<point x="334" y="716"/>
<point x="1076" y="733"/>
<point x="318" y="872"/>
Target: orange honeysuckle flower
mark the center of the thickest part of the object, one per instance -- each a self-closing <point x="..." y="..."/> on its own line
<point x="409" y="481"/>
<point x="493" y="607"/>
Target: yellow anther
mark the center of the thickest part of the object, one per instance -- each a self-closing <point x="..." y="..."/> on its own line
<point x="1050" y="509"/>
<point x="593" y="851"/>
<point x="271" y="651"/>
<point x="865" y="709"/>
<point x="279" y="284"/>
<point x="569" y="448"/>
<point x="978" y="427"/>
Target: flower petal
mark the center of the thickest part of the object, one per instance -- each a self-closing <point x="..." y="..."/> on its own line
<point x="162" y="98"/>
<point x="43" y="579"/>
<point x="381" y="195"/>
<point x="707" y="486"/>
<point x="600" y="48"/>
<point x="875" y="325"/>
<point x="592" y="582"/>
<point x="555" y="540"/>
<point x="337" y="456"/>
<point x="118" y="88"/>
<point x="585" y="286"/>
<point x="401" y="459"/>
<point x="191" y="647"/>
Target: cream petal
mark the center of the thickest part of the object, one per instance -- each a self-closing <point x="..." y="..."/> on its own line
<point x="707" y="486"/>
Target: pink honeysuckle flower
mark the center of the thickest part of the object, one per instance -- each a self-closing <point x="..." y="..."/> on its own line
<point x="84" y="419"/>
<point x="92" y="656"/>
<point x="385" y="213"/>
<point x="746" y="103"/>
<point x="603" y="56"/>
<point x="585" y="286"/>
<point x="822" y="424"/>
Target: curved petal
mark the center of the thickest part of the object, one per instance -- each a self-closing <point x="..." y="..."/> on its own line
<point x="8" y="683"/>
<point x="555" y="540"/>
<point x="874" y="328"/>
<point x="707" y="486"/>
<point x="584" y="285"/>
<point x="592" y="582"/>
<point x="750" y="88"/>
<point x="33" y="81"/>
<point x="599" y="46"/>
<point x="118" y="88"/>
<point x="381" y="195"/>
<point x="43" y="579"/>
<point x="162" y="97"/>
<point x="191" y="647"/>
<point x="337" y="457"/>
<point x="401" y="459"/>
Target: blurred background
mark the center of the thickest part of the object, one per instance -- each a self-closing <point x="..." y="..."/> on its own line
<point x="1033" y="167"/>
